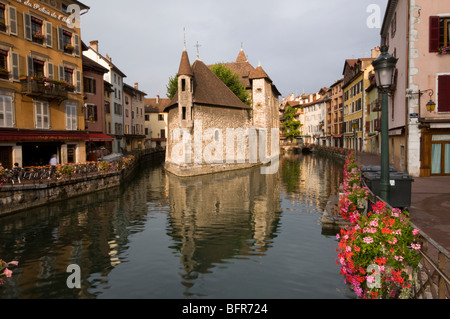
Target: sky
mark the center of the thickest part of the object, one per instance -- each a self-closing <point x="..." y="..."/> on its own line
<point x="301" y="44"/>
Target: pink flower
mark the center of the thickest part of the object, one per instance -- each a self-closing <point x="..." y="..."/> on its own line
<point x="415" y="232"/>
<point x="415" y="246"/>
<point x="370" y="279"/>
<point x="7" y="273"/>
<point x="338" y="236"/>
<point x="368" y="240"/>
<point x="15" y="263"/>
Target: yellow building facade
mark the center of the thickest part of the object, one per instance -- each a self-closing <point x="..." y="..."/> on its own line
<point x="356" y="81"/>
<point x="41" y="100"/>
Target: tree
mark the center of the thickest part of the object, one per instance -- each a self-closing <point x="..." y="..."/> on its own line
<point x="291" y="125"/>
<point x="226" y="75"/>
<point x="231" y="79"/>
<point x="172" y="87"/>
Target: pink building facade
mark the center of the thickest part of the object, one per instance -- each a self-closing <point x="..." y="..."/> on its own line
<point x="417" y="33"/>
<point x="98" y="143"/>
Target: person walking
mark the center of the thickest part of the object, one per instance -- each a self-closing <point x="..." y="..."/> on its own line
<point x="53" y="163"/>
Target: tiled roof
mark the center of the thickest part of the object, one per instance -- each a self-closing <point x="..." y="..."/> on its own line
<point x="210" y="90"/>
<point x="241" y="57"/>
<point x="156" y="105"/>
<point x="259" y="73"/>
<point x="185" y="65"/>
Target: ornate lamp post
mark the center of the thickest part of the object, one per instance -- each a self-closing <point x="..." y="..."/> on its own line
<point x="355" y="135"/>
<point x="384" y="67"/>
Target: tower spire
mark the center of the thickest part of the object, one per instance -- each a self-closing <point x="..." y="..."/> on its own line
<point x="198" y="51"/>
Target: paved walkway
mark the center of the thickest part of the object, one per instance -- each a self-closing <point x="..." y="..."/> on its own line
<point x="430" y="203"/>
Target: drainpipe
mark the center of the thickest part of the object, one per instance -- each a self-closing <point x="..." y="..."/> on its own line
<point x="408" y="33"/>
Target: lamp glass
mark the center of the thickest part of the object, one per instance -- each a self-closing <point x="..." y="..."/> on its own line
<point x="431" y="106"/>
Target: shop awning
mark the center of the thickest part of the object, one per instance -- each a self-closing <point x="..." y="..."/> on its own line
<point x="99" y="137"/>
<point x="42" y="136"/>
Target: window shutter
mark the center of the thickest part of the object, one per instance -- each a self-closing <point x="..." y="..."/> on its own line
<point x="76" y="39"/>
<point x="444" y="93"/>
<point x="78" y="81"/>
<point x="61" y="73"/>
<point x="9" y="112"/>
<point x="95" y="113"/>
<point x="50" y="70"/>
<point x="94" y="86"/>
<point x="30" y="66"/>
<point x="49" y="33"/>
<point x="15" y="65"/>
<point x="60" y="39"/>
<point x="434" y="34"/>
<point x="27" y="26"/>
<point x="68" y="118"/>
<point x="12" y="20"/>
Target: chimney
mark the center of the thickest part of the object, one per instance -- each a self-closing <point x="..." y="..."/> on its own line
<point x="376" y="52"/>
<point x="136" y="86"/>
<point x="157" y="99"/>
<point x="108" y="58"/>
<point x="94" y="45"/>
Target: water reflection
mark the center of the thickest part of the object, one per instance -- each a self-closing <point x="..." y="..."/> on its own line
<point x="228" y="235"/>
<point x="215" y="218"/>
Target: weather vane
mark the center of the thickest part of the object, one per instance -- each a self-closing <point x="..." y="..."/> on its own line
<point x="198" y="52"/>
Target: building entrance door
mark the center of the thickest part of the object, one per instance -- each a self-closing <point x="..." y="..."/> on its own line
<point x="440" y="155"/>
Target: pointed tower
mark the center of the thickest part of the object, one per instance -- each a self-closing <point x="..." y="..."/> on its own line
<point x="241" y="57"/>
<point x="185" y="91"/>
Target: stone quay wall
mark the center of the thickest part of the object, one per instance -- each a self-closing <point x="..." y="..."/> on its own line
<point x="19" y="197"/>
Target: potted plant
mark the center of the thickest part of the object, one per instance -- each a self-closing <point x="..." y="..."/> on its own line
<point x="69" y="47"/>
<point x="4" y="72"/>
<point x="444" y="50"/>
<point x="38" y="35"/>
<point x="379" y="254"/>
<point x="70" y="87"/>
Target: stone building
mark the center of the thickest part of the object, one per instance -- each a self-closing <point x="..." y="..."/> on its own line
<point x="211" y="129"/>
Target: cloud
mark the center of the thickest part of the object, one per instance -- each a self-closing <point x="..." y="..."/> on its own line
<point x="302" y="45"/>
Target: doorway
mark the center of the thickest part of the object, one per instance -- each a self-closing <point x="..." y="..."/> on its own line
<point x="440" y="155"/>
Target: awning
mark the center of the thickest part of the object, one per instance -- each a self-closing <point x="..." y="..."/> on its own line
<point x="371" y="137"/>
<point x="42" y="136"/>
<point x="99" y="137"/>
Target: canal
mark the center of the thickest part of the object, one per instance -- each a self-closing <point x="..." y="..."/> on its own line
<point x="229" y="235"/>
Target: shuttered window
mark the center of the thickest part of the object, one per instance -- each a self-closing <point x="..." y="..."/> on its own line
<point x="71" y="116"/>
<point x="444" y="93"/>
<point x="6" y="111"/>
<point x="15" y="66"/>
<point x="439" y="33"/>
<point x="12" y="20"/>
<point x="42" y="114"/>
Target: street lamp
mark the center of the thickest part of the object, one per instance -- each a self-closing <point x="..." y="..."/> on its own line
<point x="355" y="126"/>
<point x="384" y="67"/>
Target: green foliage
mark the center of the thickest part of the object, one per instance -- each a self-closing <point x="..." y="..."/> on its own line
<point x="172" y="86"/>
<point x="231" y="79"/>
<point x="291" y="127"/>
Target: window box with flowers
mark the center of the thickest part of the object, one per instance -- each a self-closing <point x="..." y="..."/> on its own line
<point x="70" y="87"/>
<point x="4" y="74"/>
<point x="69" y="48"/>
<point x="38" y="36"/>
<point x="444" y="50"/>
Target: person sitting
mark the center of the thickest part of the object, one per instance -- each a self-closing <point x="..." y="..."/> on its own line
<point x="16" y="173"/>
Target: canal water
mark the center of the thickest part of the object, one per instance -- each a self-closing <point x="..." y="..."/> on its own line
<point x="229" y="235"/>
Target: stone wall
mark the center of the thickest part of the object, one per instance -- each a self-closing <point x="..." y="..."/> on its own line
<point x="19" y="197"/>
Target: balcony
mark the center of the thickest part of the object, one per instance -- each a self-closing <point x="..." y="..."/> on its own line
<point x="44" y="89"/>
